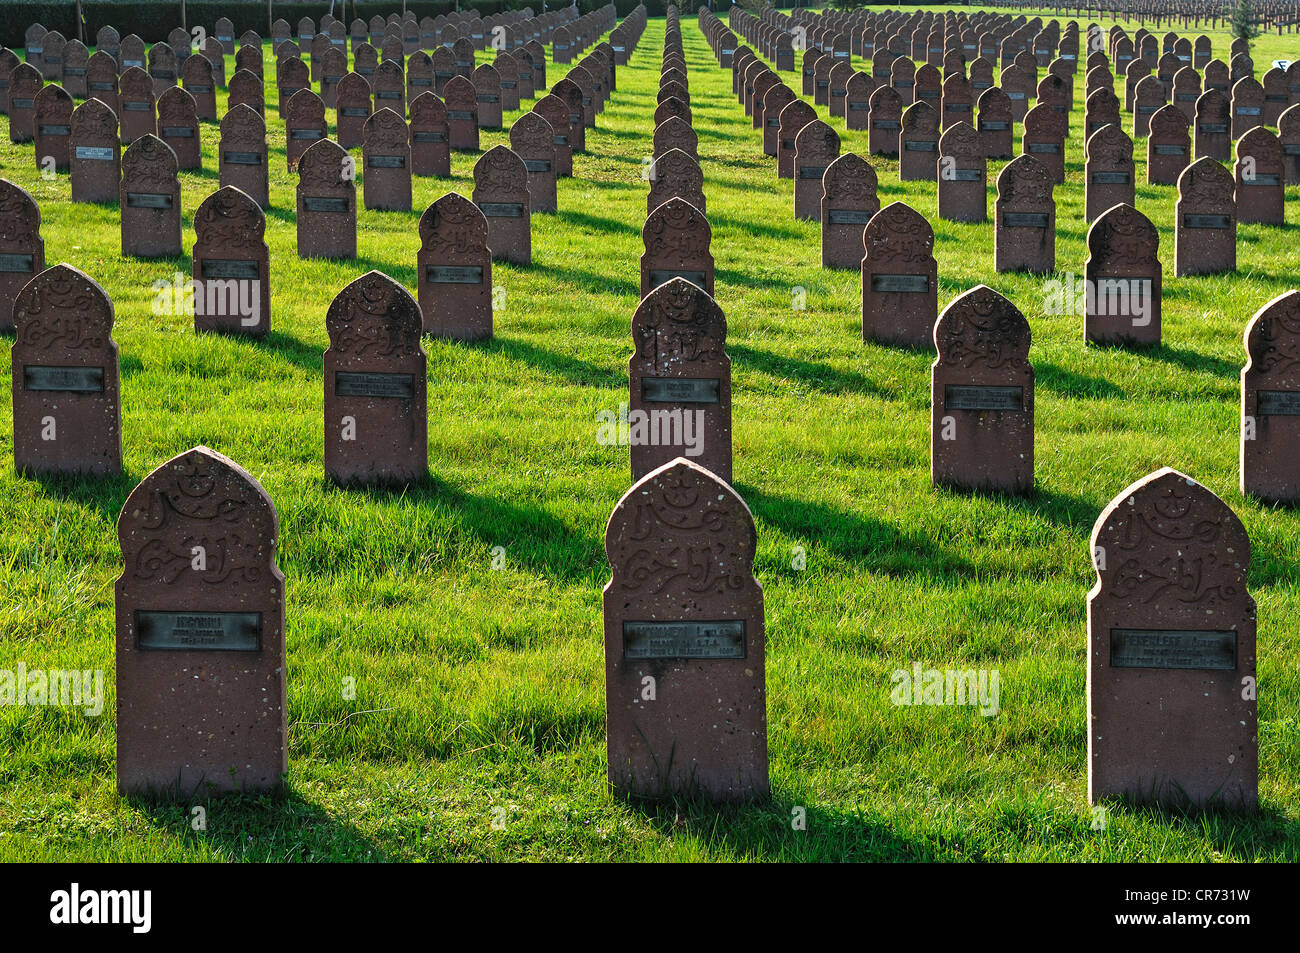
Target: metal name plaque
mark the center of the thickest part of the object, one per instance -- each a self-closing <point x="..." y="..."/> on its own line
<point x="994" y="125"/>
<point x="1110" y="178"/>
<point x="177" y="132"/>
<point x="958" y="107"/>
<point x="320" y="203"/>
<point x="1173" y="648"/>
<point x="1050" y="148"/>
<point x="863" y="106"/>
<point x="228" y="268"/>
<point x="1024" y="219"/>
<point x="886" y="124"/>
<point x="243" y="158"/>
<point x="502" y="209"/>
<point x="82" y="380"/>
<point x="1167" y="150"/>
<point x="1213" y="127"/>
<point x="357" y="111"/>
<point x="537" y="165"/>
<point x="305" y="134"/>
<point x="459" y="115"/>
<point x="679" y="390"/>
<point x="811" y="171"/>
<point x="967" y="175"/>
<point x="94" y="152"/>
<point x="920" y="145"/>
<point x="100" y="87"/>
<point x="22" y="103"/>
<point x="133" y="106"/>
<point x="900" y="284"/>
<point x="373" y="384"/>
<point x="1248" y="110"/>
<point x="1207" y="221"/>
<point x="663" y="276"/>
<point x="848" y="216"/>
<point x="54" y="130"/>
<point x="453" y="274"/>
<point x="148" y="200"/>
<point x="209" y="631"/>
<point x="421" y="81"/>
<point x="428" y="137"/>
<point x="388" y="94"/>
<point x="490" y="98"/>
<point x="681" y="640"/>
<point x="17" y="264"/>
<point x="1278" y="403"/>
<point x="979" y="397"/>
<point x="1262" y="178"/>
<point x="386" y="162"/>
<point x="199" y="89"/>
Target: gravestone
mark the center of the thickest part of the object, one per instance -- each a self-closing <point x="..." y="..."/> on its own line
<point x="109" y="41"/>
<point x="225" y="34"/>
<point x="571" y="93"/>
<point x="386" y="157"/>
<point x="135" y="94"/>
<point x="553" y="109"/>
<point x="389" y="86"/>
<point x="848" y="203"/>
<point x="982" y="396"/>
<point x="1187" y="90"/>
<point x="501" y="193"/>
<point x="816" y="146"/>
<point x="419" y="76"/>
<point x="1055" y="93"/>
<point x="25" y="81"/>
<point x="668" y="106"/>
<point x="487" y="93"/>
<point x="249" y="58"/>
<point x="376" y="429"/>
<point x="1205" y="237"/>
<point x="1288" y="134"/>
<point x="1260" y="178"/>
<point x="900" y="286"/>
<point x="75" y="58"/>
<point x="1270" y="403"/>
<point x="958" y="102"/>
<point x="1169" y="146"/>
<point x="164" y="68"/>
<point x="793" y="118"/>
<point x="241" y="155"/>
<point x="232" y="280"/>
<point x="291" y="78"/>
<point x="1102" y="109"/>
<point x="1213" y="125"/>
<point x="132" y="52"/>
<point x="1148" y="98"/>
<point x="353" y="109"/>
<point x="962" y="175"/>
<point x="918" y="143"/>
<point x="52" y="122"/>
<point x="697" y="634"/>
<point x="96" y="154"/>
<point x="533" y="140"/>
<point x="462" y="114"/>
<point x="679" y="379"/>
<point x="334" y="66"/>
<point x="22" y="251"/>
<point x="1108" y="171"/>
<point x="857" y="101"/>
<point x="508" y="78"/>
<point x="178" y="126"/>
<point x="777" y="98"/>
<point x="66" y="394"/>
<point x="1171" y="650"/>
<point x="304" y="125"/>
<point x="430" y="141"/>
<point x="455" y="270"/>
<point x="1123" y="278"/>
<point x="1024" y="232"/>
<point x="675" y="174"/>
<point x="327" y="203"/>
<point x="1019" y="87"/>
<point x="996" y="126"/>
<point x="150" y="198"/>
<point x="101" y="81"/>
<point x="444" y="68"/>
<point x="201" y="696"/>
<point x="246" y="89"/>
<point x="197" y="75"/>
<point x="1247" y="106"/>
<point x="885" y="117"/>
<point x="675" y="133"/>
<point x="676" y="237"/>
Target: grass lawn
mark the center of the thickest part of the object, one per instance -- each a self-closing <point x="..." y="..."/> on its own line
<point x="477" y="730"/>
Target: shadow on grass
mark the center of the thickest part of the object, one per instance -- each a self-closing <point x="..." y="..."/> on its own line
<point x="1069" y="383"/>
<point x="868" y="542"/>
<point x="1193" y="361"/>
<point x="275" y="826"/>
<point x="763" y="830"/>
<point x="536" y="541"/>
<point x="571" y="369"/>
<point x="1237" y="834"/>
<point x="594" y="281"/>
<point x="106" y="494"/>
<point x="597" y="223"/>
<point x="822" y="377"/>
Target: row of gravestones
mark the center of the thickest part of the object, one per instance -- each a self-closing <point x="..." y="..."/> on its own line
<point x="841" y="192"/>
<point x="683" y="613"/>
